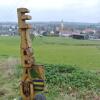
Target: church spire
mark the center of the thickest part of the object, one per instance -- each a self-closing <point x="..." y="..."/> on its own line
<point x="62" y="25"/>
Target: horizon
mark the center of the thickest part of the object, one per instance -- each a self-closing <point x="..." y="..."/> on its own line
<point x="52" y="22"/>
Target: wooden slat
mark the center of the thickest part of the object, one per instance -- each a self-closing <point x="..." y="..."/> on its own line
<point x="26" y="17"/>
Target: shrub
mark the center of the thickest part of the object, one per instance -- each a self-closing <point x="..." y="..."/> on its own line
<point x="64" y="76"/>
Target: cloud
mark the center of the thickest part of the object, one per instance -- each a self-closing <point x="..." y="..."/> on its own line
<point x="79" y="10"/>
<point x="42" y="4"/>
<point x="49" y="4"/>
<point x="7" y="3"/>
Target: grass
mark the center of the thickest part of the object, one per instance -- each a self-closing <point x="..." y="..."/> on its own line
<point x="56" y="50"/>
<point x="8" y="79"/>
<point x="64" y="82"/>
<point x="51" y="51"/>
<point x="65" y="79"/>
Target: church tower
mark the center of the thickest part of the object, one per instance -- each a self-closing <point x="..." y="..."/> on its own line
<point x="62" y="25"/>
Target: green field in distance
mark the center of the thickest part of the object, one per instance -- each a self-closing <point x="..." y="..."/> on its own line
<point x="56" y="50"/>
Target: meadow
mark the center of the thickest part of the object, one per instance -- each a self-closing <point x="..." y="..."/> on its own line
<point x="56" y="50"/>
<point x="71" y="67"/>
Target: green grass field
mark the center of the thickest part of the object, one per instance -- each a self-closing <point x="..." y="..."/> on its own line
<point x="56" y="50"/>
<point x="51" y="51"/>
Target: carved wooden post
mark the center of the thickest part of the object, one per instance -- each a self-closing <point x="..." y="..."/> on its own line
<point x="33" y="74"/>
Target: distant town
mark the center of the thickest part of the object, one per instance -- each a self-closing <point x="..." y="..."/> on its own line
<point x="60" y="29"/>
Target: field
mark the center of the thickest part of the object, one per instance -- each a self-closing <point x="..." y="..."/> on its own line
<point x="73" y="64"/>
<point x="56" y="50"/>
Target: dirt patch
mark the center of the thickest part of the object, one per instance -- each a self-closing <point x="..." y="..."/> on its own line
<point x="3" y="92"/>
<point x="8" y="63"/>
<point x="8" y="80"/>
<point x="8" y="67"/>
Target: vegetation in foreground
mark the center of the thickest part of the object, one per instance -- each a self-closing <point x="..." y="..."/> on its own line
<point x="63" y="81"/>
<point x="73" y="81"/>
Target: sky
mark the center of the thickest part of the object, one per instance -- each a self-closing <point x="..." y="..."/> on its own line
<point x="52" y="10"/>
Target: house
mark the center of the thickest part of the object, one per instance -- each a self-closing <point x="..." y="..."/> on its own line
<point x="79" y="36"/>
<point x="90" y="32"/>
<point x="65" y="33"/>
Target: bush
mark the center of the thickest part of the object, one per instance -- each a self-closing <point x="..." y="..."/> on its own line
<point x="71" y="76"/>
<point x="67" y="79"/>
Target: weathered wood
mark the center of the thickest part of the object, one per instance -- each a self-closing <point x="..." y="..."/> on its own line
<point x="27" y="58"/>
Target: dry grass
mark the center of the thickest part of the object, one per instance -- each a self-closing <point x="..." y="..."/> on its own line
<point x="8" y="80"/>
